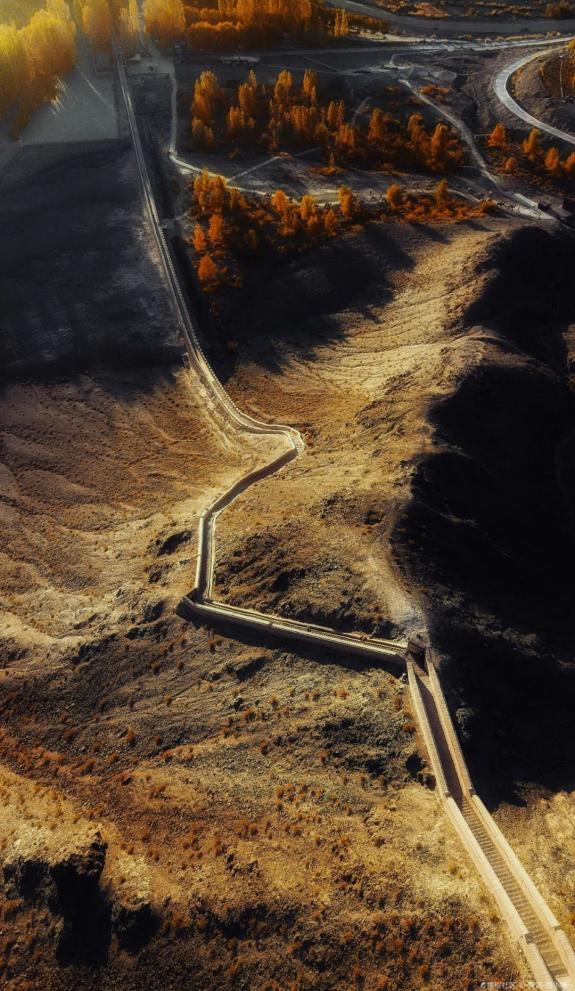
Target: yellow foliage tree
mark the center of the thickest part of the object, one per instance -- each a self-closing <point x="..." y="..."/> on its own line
<point x="341" y="24"/>
<point x="347" y="202"/>
<point x="13" y="66"/>
<point x="283" y="88"/>
<point x="97" y="23"/>
<point x="280" y="202"/>
<point x="165" y="19"/>
<point x="216" y="229"/>
<point x="553" y="161"/>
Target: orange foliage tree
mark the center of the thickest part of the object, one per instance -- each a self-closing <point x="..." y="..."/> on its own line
<point x="236" y="24"/>
<point x="207" y="270"/>
<point x="286" y="114"/>
<point x="498" y="137"/>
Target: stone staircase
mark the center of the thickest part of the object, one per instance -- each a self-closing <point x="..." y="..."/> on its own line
<point x="543" y="942"/>
<point x="525" y="909"/>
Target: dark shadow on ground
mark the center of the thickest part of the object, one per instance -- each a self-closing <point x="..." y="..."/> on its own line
<point x="79" y="278"/>
<point x="293" y="308"/>
<point x="488" y="536"/>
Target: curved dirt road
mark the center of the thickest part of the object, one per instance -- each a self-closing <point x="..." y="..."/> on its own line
<point x="501" y="89"/>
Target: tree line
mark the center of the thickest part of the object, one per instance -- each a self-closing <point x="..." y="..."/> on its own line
<point x="529" y="155"/>
<point x="236" y="25"/>
<point x="35" y="57"/>
<point x="286" y="115"/>
<point x="232" y="232"/>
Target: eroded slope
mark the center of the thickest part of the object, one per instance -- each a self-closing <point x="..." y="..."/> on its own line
<point x="184" y="810"/>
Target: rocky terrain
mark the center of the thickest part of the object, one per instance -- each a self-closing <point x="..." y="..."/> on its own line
<point x="184" y="809"/>
<point x="456" y="515"/>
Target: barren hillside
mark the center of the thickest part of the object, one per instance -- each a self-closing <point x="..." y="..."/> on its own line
<point x="183" y="808"/>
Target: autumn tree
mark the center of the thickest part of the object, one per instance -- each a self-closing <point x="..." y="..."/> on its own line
<point x="239" y="123"/>
<point x="309" y="86"/>
<point x="97" y="24"/>
<point x="165" y="19"/>
<point x="394" y="196"/>
<point x="330" y="223"/>
<point x="211" y="193"/>
<point x="283" y="89"/>
<point x="199" y="240"/>
<point x="202" y="135"/>
<point x="498" y="137"/>
<point x="33" y="59"/>
<point x="248" y="98"/>
<point x="280" y="202"/>
<point x="553" y="161"/>
<point x="440" y="194"/>
<point x="530" y="145"/>
<point x="335" y="114"/>
<point x="207" y="94"/>
<point x="340" y="26"/>
<point x="377" y="130"/>
<point x="439" y="147"/>
<point x="347" y="203"/>
<point x="49" y="41"/>
<point x="307" y="207"/>
<point x="129" y="25"/>
<point x="207" y="270"/>
<point x="13" y="66"/>
<point x="216" y="230"/>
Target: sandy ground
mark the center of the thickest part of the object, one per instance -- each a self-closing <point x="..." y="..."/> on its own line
<point x="179" y="807"/>
<point x="270" y="812"/>
<point x="365" y="377"/>
<point x="372" y="374"/>
<point x="226" y="814"/>
<point x="101" y="477"/>
<point x="209" y="769"/>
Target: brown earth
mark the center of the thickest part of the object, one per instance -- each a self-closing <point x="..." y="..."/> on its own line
<point x="222" y="812"/>
<point x="537" y="88"/>
<point x="181" y="809"/>
<point x="455" y="413"/>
